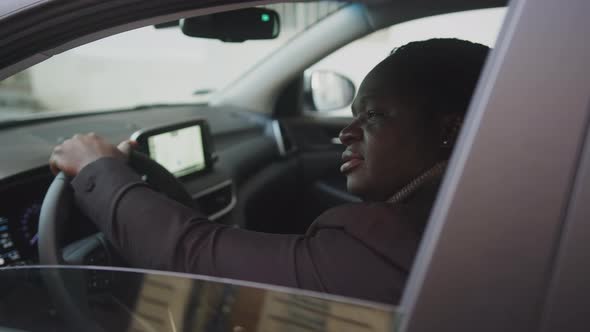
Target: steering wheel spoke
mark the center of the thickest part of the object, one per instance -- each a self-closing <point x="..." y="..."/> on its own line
<point x="88" y="251"/>
<point x="95" y="251"/>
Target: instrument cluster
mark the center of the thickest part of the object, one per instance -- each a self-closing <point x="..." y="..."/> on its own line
<point x="20" y="206"/>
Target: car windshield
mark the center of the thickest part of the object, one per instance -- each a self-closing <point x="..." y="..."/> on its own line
<point x="110" y="299"/>
<point x="149" y="65"/>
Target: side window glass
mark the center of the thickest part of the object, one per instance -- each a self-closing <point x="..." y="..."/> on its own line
<point x="356" y="59"/>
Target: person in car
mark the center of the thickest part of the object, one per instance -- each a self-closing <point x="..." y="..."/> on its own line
<point x="407" y="115"/>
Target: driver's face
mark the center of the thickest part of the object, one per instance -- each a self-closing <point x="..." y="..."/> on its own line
<point x="387" y="144"/>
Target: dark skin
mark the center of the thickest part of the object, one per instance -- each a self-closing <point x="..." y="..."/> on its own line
<point x="75" y="153"/>
<point x="388" y="143"/>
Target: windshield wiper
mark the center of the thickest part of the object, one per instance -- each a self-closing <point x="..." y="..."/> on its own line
<point x="202" y="92"/>
<point x="163" y="105"/>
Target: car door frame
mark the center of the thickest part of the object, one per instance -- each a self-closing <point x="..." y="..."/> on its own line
<point x="489" y="251"/>
<point x="567" y="306"/>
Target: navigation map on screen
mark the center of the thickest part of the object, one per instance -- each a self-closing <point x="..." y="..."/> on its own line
<point x="179" y="151"/>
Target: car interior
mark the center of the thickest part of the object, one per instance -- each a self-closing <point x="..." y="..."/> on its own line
<point x="259" y="151"/>
<point x="236" y="109"/>
<point x="269" y="144"/>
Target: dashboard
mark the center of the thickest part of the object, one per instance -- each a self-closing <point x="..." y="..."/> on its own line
<point x="221" y="159"/>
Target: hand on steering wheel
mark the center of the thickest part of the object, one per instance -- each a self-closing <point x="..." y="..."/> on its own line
<point x="73" y="154"/>
<point x="68" y="159"/>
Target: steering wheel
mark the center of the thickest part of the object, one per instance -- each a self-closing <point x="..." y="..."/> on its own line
<point x="70" y="289"/>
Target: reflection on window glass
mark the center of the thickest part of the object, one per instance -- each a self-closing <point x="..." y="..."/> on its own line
<point x="135" y="301"/>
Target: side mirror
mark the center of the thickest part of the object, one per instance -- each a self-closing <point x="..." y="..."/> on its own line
<point x="326" y="91"/>
<point x="234" y="26"/>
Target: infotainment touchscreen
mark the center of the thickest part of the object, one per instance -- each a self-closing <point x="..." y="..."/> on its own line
<point x="182" y="149"/>
<point x="179" y="151"/>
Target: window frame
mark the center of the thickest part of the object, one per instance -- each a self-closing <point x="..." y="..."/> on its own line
<point x="488" y="253"/>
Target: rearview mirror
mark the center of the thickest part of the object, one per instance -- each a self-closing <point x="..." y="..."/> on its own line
<point x="234" y="26"/>
<point x="327" y="91"/>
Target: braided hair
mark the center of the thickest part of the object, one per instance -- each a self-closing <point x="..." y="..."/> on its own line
<point x="439" y="74"/>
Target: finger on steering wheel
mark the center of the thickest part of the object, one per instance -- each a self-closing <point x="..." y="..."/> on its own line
<point x="53" y="165"/>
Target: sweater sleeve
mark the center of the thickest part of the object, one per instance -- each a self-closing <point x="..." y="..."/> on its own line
<point x="155" y="232"/>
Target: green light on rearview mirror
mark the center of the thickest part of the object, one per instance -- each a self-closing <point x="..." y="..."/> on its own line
<point x="265" y="17"/>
